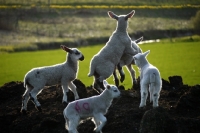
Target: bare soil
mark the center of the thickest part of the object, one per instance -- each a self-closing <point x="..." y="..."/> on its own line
<point x="179" y="110"/>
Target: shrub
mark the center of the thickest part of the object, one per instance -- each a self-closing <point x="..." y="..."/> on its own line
<point x="8" y="22"/>
<point x="196" y="21"/>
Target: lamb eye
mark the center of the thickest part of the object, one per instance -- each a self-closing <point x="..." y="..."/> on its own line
<point x="115" y="90"/>
<point x="77" y="53"/>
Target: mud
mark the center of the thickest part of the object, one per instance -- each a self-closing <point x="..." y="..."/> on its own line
<point x="179" y="110"/>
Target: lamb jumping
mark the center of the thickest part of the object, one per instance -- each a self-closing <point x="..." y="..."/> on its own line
<point x="94" y="107"/>
<point x="128" y="60"/>
<point x="103" y="64"/>
<point x="63" y="74"/>
<point x="149" y="79"/>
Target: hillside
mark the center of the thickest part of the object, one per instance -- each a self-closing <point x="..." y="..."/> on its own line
<point x="178" y="111"/>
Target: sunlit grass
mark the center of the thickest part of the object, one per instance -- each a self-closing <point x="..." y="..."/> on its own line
<point x="178" y="58"/>
<point x="73" y="27"/>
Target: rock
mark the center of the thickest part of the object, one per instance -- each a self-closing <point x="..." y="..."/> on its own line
<point x="176" y="81"/>
<point x="190" y="100"/>
<point x="156" y="120"/>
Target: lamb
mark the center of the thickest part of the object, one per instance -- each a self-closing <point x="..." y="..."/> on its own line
<point x="149" y="79"/>
<point x="128" y="60"/>
<point x="95" y="107"/>
<point x="63" y="74"/>
<point x="103" y="64"/>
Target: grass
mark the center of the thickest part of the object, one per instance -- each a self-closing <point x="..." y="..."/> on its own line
<point x="177" y="58"/>
<point x="65" y="25"/>
<point x="35" y="24"/>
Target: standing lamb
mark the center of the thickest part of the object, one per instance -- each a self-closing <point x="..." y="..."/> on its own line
<point x="149" y="79"/>
<point x="103" y="64"/>
<point x="95" y="107"/>
<point x="128" y="60"/>
<point x="63" y="74"/>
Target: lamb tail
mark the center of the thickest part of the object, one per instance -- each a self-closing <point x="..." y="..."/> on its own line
<point x="92" y="69"/>
<point x="25" y="82"/>
<point x="90" y="74"/>
<point x="152" y="85"/>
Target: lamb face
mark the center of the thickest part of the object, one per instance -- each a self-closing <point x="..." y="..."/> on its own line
<point x="75" y="53"/>
<point x="137" y="59"/>
<point x="140" y="58"/>
<point x="113" y="90"/>
<point x="122" y="19"/>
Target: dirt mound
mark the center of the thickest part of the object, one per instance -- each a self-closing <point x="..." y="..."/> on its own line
<point x="157" y="120"/>
<point x="178" y="112"/>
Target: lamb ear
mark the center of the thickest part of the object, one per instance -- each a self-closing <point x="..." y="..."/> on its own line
<point x="105" y="83"/>
<point x="108" y="86"/>
<point x="112" y="15"/>
<point x="146" y="53"/>
<point x="66" y="48"/>
<point x="139" y="40"/>
<point x="130" y="15"/>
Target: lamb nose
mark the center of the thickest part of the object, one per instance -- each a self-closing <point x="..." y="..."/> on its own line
<point x="82" y="58"/>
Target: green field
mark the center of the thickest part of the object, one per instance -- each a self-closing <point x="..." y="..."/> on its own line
<point x="61" y="25"/>
<point x="177" y="58"/>
<point x="30" y="25"/>
<point x="33" y="24"/>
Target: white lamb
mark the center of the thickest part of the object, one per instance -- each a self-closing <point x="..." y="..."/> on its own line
<point x="128" y="60"/>
<point x="103" y="64"/>
<point x="63" y="74"/>
<point x="94" y="107"/>
<point x="149" y="79"/>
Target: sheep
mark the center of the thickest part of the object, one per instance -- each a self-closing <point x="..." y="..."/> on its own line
<point x="94" y="107"/>
<point x="103" y="64"/>
<point x="149" y="79"/>
<point x="128" y="60"/>
<point x="63" y="74"/>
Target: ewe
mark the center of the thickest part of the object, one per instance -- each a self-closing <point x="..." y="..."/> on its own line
<point x="149" y="79"/>
<point x="63" y="74"/>
<point x="94" y="107"/>
<point x="128" y="60"/>
<point x="103" y="64"/>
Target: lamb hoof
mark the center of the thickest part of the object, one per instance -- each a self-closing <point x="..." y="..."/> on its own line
<point x="122" y="78"/>
<point x="76" y="97"/>
<point x="135" y="82"/>
<point x="142" y="107"/>
<point x="117" y="82"/>
<point x="39" y="108"/>
<point x="97" y="131"/>
<point x="65" y="103"/>
<point x="155" y="106"/>
<point x="132" y="87"/>
<point x="23" y="111"/>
